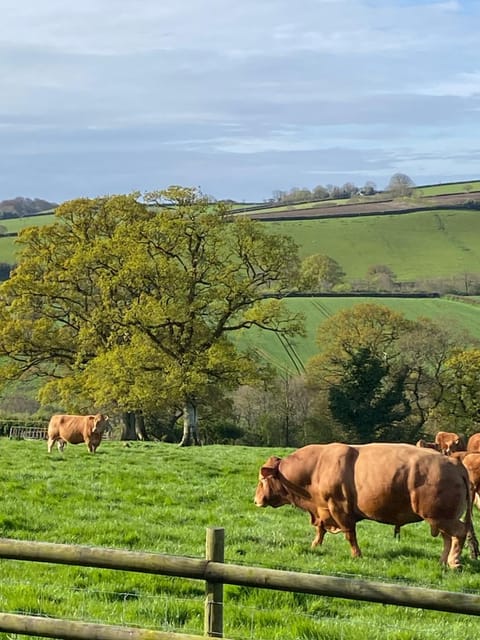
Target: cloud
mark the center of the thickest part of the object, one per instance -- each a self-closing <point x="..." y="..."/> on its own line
<point x="247" y="96"/>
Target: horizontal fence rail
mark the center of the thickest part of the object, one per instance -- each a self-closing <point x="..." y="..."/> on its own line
<point x="68" y="629"/>
<point x="215" y="573"/>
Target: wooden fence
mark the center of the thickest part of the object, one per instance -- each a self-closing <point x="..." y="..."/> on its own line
<point x="215" y="573"/>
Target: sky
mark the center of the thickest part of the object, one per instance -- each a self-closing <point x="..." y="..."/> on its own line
<point x="240" y="99"/>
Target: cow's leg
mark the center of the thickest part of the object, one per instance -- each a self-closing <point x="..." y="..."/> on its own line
<point x="476" y="500"/>
<point x="454" y="557"/>
<point x="447" y="544"/>
<point x="319" y="537"/>
<point x="348" y="526"/>
<point x="339" y="511"/>
<point x="51" y="442"/>
<point x="454" y="534"/>
<point x="351" y="537"/>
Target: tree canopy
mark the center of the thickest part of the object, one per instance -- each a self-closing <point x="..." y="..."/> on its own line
<point x="320" y="273"/>
<point x="130" y="305"/>
<point x="386" y="376"/>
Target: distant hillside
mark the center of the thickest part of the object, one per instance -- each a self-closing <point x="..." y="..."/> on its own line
<point x="365" y="206"/>
<point x="17" y="207"/>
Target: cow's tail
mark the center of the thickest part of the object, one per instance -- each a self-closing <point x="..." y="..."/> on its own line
<point x="471" y="536"/>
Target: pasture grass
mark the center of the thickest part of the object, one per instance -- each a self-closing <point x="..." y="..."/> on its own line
<point x="8" y="249"/>
<point x="15" y="225"/>
<point x="157" y="497"/>
<point x="423" y="245"/>
<point x="447" y="188"/>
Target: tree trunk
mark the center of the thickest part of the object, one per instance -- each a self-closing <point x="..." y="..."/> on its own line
<point x="190" y="425"/>
<point x="128" y="426"/>
<point x="140" y="427"/>
<point x="133" y="426"/>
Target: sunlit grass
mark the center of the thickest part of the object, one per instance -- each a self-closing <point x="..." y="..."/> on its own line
<point x="158" y="497"/>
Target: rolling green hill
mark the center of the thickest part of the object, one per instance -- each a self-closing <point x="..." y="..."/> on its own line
<point x="426" y="244"/>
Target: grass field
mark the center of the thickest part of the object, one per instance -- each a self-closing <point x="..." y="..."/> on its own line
<point x="156" y="497"/>
<point x="14" y="225"/>
<point x="291" y="356"/>
<point x="434" y="244"/>
<point x="448" y="188"/>
<point x="426" y="244"/>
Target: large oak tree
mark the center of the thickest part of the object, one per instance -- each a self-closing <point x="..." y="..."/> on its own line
<point x="131" y="305"/>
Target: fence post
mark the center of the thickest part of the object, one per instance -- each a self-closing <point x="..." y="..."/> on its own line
<point x="215" y="552"/>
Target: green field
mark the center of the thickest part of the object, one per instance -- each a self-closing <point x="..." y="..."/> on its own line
<point x="8" y="250"/>
<point x="426" y="244"/>
<point x="448" y="188"/>
<point x="156" y="497"/>
<point x="291" y="356"/>
<point x="433" y="244"/>
<point x="14" y="225"/>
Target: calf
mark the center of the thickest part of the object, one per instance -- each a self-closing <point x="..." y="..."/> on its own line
<point x="448" y="442"/>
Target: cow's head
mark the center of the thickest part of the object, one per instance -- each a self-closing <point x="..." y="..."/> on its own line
<point x="101" y="424"/>
<point x="270" y="490"/>
<point x="449" y="442"/>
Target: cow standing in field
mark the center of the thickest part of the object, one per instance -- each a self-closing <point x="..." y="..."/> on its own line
<point x="473" y="443"/>
<point x="340" y="484"/>
<point x="448" y="442"/>
<point x="471" y="462"/>
<point x="76" y="429"/>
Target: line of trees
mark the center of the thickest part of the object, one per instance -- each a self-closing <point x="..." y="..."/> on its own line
<point x="399" y="185"/>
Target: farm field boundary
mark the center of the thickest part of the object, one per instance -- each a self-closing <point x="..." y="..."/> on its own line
<point x="215" y="573"/>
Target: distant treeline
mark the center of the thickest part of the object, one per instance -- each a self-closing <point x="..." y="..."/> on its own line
<point x="18" y="207"/>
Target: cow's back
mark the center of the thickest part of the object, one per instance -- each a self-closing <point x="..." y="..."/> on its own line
<point x="401" y="483"/>
<point x="71" y="428"/>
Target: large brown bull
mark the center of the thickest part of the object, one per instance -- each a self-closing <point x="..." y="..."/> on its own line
<point x="76" y="429"/>
<point x="340" y="484"/>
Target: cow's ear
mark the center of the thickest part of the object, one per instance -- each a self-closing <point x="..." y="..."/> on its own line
<point x="267" y="472"/>
<point x="270" y="468"/>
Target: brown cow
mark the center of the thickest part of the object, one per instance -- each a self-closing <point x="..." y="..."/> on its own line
<point x="448" y="442"/>
<point x="473" y="443"/>
<point x="471" y="462"/>
<point x="76" y="429"/>
<point x="340" y="484"/>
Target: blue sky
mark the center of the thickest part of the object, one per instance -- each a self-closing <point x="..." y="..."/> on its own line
<point x="238" y="98"/>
